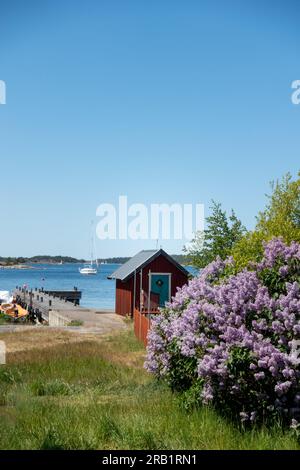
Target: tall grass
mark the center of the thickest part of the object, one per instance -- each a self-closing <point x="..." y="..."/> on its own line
<point x="97" y="396"/>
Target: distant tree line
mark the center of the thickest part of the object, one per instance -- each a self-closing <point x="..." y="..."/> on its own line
<point x="54" y="259"/>
<point x="11" y="261"/>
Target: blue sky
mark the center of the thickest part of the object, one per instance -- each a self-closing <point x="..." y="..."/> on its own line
<point x="163" y="101"/>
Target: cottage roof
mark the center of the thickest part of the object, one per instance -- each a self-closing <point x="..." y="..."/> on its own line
<point x="140" y="260"/>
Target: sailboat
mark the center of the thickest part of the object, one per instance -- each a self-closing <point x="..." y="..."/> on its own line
<point x="89" y="268"/>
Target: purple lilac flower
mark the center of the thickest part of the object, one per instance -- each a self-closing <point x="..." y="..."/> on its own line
<point x="211" y="315"/>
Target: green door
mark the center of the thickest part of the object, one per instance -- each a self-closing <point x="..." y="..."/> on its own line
<point x="160" y="284"/>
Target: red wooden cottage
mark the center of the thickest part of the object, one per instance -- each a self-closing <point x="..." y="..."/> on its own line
<point x="147" y="281"/>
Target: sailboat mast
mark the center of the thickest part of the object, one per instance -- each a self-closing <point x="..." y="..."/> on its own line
<point x="93" y="249"/>
<point x="92" y="254"/>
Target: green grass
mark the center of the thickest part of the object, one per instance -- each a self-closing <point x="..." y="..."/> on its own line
<point x="3" y="319"/>
<point x="97" y="396"/>
<point x="76" y="323"/>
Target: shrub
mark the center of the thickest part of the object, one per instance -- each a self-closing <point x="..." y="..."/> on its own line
<point x="3" y="319"/>
<point x="280" y="218"/>
<point x="231" y="337"/>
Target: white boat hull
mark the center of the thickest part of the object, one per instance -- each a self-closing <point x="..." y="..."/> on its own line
<point x="88" y="271"/>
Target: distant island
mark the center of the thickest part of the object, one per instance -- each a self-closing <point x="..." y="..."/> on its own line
<point x="43" y="259"/>
<point x="46" y="259"/>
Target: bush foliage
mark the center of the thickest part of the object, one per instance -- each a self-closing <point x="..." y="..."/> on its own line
<point x="281" y="218"/>
<point x="218" y="239"/>
<point x="228" y="339"/>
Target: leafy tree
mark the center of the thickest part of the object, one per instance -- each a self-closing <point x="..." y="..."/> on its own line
<point x="281" y="218"/>
<point x="218" y="239"/>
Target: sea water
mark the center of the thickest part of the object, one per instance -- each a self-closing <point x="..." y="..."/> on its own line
<point x="97" y="290"/>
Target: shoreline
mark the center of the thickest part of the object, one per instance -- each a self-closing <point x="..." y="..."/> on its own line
<point x="18" y="266"/>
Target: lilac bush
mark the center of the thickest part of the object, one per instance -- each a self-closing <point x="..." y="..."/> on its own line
<point x="229" y="338"/>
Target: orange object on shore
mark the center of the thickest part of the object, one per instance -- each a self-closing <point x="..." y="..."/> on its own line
<point x="9" y="309"/>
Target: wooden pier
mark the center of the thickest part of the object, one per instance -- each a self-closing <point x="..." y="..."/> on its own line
<point x="54" y="308"/>
<point x="73" y="296"/>
<point x="46" y="301"/>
